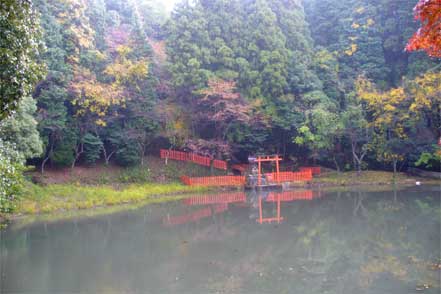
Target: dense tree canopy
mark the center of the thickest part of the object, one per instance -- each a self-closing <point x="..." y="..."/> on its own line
<point x="321" y="80"/>
<point x="20" y="46"/>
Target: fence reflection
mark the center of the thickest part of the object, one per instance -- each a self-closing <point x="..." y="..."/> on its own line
<point x="219" y="203"/>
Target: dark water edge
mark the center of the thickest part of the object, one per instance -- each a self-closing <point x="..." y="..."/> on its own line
<point x="353" y="241"/>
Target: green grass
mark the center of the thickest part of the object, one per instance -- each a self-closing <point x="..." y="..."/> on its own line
<point x="67" y="197"/>
<point x="366" y="178"/>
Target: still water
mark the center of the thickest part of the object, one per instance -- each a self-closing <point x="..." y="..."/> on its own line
<point x="291" y="242"/>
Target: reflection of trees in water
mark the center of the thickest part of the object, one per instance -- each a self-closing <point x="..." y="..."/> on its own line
<point x="358" y="249"/>
<point x="347" y="242"/>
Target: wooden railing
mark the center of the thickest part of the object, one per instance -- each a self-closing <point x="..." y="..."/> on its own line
<point x="315" y="170"/>
<point x="290" y="176"/>
<point x="220" y="164"/>
<point x="214" y="181"/>
<point x="192" y="157"/>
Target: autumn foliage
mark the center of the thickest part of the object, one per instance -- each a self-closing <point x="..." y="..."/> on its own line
<point x="226" y="104"/>
<point x="428" y="37"/>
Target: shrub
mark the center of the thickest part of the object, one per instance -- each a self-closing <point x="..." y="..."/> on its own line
<point x="139" y="174"/>
<point x="11" y="176"/>
<point x="128" y="155"/>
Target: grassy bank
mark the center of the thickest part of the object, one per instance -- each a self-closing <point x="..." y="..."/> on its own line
<point x="98" y="187"/>
<point x="368" y="178"/>
<point x="153" y="171"/>
<point x="69" y="197"/>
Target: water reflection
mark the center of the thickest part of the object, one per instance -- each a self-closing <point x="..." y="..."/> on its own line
<point x="254" y="203"/>
<point x="339" y="242"/>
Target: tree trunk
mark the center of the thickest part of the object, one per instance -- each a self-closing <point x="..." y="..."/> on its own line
<point x="358" y="169"/>
<point x="336" y="164"/>
<point x="358" y="160"/>
<point x="43" y="164"/>
<point x="48" y="155"/>
<point x="142" y="147"/>
<point x="78" y="151"/>
<point x="354" y="154"/>
<point x="107" y="156"/>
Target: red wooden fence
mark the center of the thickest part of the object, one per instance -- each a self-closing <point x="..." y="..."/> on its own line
<point x="214" y="181"/>
<point x="195" y="158"/>
<point x="198" y="159"/>
<point x="220" y="164"/>
<point x="290" y="176"/>
<point x="316" y="170"/>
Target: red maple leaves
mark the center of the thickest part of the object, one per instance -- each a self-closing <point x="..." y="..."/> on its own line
<point x="428" y="36"/>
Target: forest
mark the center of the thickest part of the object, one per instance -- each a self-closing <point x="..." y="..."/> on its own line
<point x="345" y="84"/>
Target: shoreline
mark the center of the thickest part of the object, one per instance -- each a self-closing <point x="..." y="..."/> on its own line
<point x="62" y="201"/>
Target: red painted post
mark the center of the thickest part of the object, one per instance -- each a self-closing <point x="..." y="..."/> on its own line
<point x="278" y="208"/>
<point x="259" y="172"/>
<point x="260" y="209"/>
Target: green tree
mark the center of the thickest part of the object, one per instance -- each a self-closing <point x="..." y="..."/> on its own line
<point x="20" y="47"/>
<point x="11" y="177"/>
<point x="357" y="130"/>
<point x="21" y="130"/>
<point x="322" y="127"/>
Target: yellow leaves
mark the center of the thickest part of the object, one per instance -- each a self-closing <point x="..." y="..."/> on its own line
<point x="100" y="122"/>
<point x="75" y="21"/>
<point x="396" y="95"/>
<point x="178" y="125"/>
<point x="426" y="90"/>
<point x="123" y="51"/>
<point x="62" y="17"/>
<point x="370" y="22"/>
<point x="92" y="96"/>
<point x="351" y="50"/>
<point x="326" y="60"/>
<point x="366" y="91"/>
<point x="83" y="36"/>
<point x="381" y="102"/>
<point x="355" y="25"/>
<point x="125" y="70"/>
<point x="360" y="10"/>
<point x="389" y="107"/>
<point x="99" y="55"/>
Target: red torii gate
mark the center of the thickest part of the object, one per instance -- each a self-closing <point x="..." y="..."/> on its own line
<point x="268" y="158"/>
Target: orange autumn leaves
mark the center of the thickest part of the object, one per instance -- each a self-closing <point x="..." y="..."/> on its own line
<point x="428" y="36"/>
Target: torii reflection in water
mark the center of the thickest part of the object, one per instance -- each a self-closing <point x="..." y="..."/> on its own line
<point x="258" y="199"/>
<point x="219" y="203"/>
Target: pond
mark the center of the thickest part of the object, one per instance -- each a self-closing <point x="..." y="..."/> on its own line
<point x="352" y="241"/>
